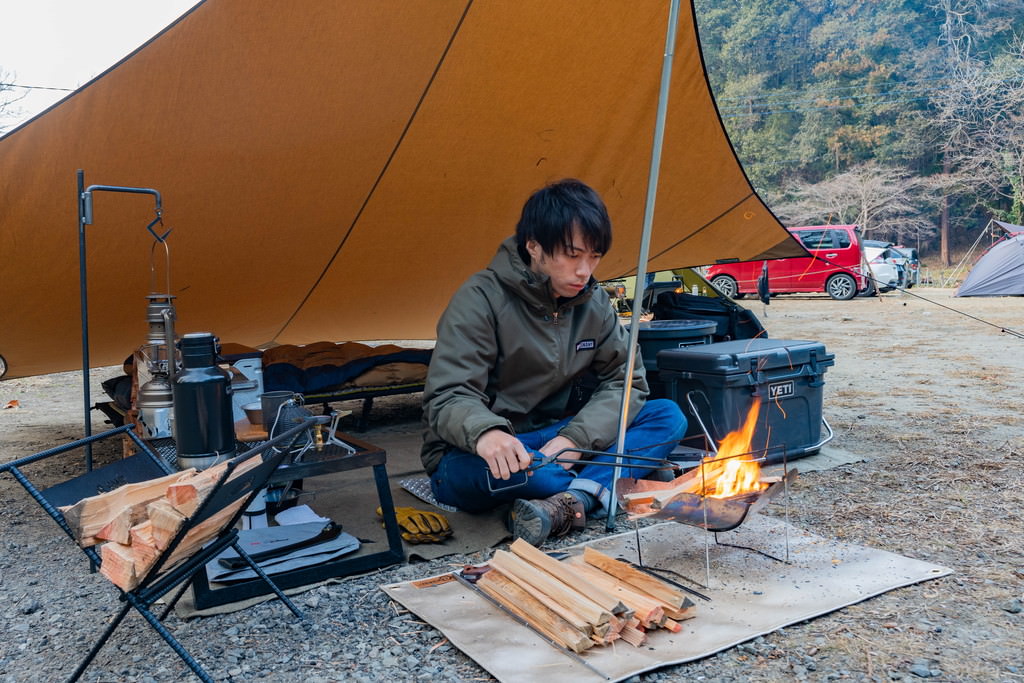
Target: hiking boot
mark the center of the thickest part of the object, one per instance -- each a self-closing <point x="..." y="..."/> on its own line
<point x="536" y="520"/>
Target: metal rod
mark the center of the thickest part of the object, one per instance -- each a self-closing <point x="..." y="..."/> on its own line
<point x="656" y="572"/>
<point x="84" y="304"/>
<point x="645" y="239"/>
<point x="785" y="488"/>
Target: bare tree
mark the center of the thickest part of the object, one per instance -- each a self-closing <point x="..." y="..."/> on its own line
<point x="9" y="95"/>
<point x="886" y="202"/>
<point x="983" y="116"/>
<point x="979" y="119"/>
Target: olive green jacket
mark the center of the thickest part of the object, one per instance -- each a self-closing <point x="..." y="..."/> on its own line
<point x="509" y="355"/>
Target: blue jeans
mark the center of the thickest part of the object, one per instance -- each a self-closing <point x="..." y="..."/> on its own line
<point x="463" y="479"/>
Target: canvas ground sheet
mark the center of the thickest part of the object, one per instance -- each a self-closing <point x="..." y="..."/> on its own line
<point x="350" y="499"/>
<point x="751" y="595"/>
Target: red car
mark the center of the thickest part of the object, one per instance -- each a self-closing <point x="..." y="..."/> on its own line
<point x="834" y="267"/>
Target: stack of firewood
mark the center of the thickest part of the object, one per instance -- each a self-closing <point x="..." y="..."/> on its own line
<point x="137" y="522"/>
<point x="589" y="599"/>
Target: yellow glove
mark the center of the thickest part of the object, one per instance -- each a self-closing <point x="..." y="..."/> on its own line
<point x="421" y="526"/>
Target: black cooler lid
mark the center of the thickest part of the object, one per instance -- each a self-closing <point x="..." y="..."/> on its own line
<point x="676" y="329"/>
<point x="743" y="356"/>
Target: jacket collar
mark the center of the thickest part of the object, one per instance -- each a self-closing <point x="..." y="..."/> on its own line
<point x="532" y="287"/>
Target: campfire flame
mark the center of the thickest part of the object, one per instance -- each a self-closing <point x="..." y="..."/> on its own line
<point x="731" y="473"/>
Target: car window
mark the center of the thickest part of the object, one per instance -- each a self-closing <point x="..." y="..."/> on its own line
<point x="815" y="239"/>
<point x="841" y="238"/>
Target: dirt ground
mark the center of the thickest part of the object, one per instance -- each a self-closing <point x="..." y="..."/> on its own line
<point x="929" y="397"/>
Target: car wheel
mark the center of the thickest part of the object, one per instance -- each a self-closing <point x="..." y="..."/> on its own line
<point x="841" y="287"/>
<point x="726" y="285"/>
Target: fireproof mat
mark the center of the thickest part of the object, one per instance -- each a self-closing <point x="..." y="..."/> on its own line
<point x="751" y="595"/>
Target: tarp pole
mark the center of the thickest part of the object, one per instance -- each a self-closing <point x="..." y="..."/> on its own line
<point x="645" y="240"/>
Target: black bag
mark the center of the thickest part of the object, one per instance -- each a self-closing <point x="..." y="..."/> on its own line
<point x="734" y="321"/>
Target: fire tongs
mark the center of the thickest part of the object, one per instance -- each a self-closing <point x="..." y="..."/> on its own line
<point x="521" y="477"/>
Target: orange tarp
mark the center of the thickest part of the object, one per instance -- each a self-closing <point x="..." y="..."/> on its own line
<point x="334" y="169"/>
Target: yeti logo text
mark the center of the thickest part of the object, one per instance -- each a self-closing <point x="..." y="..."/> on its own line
<point x="781" y="390"/>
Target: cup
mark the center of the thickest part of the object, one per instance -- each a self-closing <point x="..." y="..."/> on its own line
<point x="270" y="402"/>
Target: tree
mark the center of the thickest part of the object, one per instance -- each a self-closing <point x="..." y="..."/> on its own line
<point x="885" y="201"/>
<point x="9" y="95"/>
<point x="982" y="117"/>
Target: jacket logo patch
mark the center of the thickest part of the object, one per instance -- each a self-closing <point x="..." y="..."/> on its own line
<point x="585" y="344"/>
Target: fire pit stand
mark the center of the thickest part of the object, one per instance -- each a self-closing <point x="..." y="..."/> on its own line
<point x="714" y="515"/>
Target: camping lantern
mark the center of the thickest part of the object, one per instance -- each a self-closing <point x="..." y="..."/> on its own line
<point x="156" y="361"/>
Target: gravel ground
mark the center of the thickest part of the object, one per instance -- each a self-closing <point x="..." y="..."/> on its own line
<point x="931" y="398"/>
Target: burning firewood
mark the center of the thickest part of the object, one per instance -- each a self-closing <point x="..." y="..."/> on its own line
<point x="730" y="474"/>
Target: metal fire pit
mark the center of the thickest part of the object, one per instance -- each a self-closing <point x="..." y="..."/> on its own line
<point x="705" y="512"/>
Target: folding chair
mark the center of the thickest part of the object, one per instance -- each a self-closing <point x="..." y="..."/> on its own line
<point x="146" y="465"/>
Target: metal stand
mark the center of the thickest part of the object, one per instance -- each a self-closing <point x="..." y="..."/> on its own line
<point x="85" y="216"/>
<point x="355" y="454"/>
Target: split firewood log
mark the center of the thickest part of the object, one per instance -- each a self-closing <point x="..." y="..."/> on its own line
<point x="164" y="521"/>
<point x="647" y="609"/>
<point x="546" y="563"/>
<point x="653" y="586"/>
<point x="522" y="572"/>
<point x="200" y="534"/>
<point x="118" y="565"/>
<point x="89" y="516"/>
<point x="188" y="494"/>
<point x="119" y="527"/>
<point x="144" y="547"/>
<point x="533" y="611"/>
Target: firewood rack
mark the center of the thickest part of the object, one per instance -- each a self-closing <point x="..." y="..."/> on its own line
<point x="161" y="577"/>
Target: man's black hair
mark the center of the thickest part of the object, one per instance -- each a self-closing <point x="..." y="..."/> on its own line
<point x="551" y="212"/>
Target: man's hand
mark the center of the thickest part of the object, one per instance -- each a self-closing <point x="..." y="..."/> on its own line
<point x="558" y="443"/>
<point x="503" y="453"/>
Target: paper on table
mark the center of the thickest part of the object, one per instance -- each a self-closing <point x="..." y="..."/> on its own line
<point x="300" y="514"/>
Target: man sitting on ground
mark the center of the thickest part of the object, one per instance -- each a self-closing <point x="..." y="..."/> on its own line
<point x="530" y="360"/>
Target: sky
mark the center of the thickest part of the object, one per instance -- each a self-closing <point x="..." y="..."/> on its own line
<point x="66" y="43"/>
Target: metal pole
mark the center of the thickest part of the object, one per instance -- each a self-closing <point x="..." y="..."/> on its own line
<point x="645" y="239"/>
<point x="86" y="398"/>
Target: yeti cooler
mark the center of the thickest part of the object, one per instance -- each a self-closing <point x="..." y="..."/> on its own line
<point x="657" y="335"/>
<point x="725" y="378"/>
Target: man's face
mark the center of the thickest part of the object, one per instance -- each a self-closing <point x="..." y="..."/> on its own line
<point x="569" y="269"/>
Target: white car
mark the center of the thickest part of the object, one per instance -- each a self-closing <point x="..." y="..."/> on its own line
<point x="886" y="272"/>
<point x="886" y="275"/>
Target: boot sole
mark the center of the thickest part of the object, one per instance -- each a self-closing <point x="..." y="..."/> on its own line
<point x="529" y="523"/>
